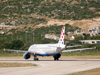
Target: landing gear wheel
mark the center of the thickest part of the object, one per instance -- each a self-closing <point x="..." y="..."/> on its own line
<point x="36" y="59"/>
<point x="56" y="58"/>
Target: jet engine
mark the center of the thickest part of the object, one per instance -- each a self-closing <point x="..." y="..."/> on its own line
<point x="26" y="55"/>
<point x="57" y="56"/>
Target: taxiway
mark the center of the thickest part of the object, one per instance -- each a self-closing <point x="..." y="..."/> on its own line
<point x="50" y="67"/>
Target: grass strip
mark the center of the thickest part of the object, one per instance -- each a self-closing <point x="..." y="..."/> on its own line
<point x="4" y="64"/>
<point x="88" y="72"/>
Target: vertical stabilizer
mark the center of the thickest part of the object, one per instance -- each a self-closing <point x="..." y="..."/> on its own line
<point x="61" y="39"/>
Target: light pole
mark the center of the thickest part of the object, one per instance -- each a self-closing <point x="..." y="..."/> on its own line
<point x="26" y="35"/>
<point x="20" y="37"/>
<point x="33" y="34"/>
<point x="12" y="37"/>
<point x="33" y="37"/>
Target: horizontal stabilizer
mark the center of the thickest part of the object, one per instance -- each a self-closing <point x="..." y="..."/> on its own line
<point x="70" y="50"/>
<point x="73" y="46"/>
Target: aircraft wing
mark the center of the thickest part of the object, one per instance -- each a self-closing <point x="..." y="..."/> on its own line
<point x="73" y="46"/>
<point x="70" y="50"/>
<point x="15" y="50"/>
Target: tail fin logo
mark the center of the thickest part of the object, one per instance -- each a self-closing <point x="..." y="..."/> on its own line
<point x="61" y="40"/>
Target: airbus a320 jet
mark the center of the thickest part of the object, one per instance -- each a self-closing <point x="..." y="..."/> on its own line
<point x="54" y="50"/>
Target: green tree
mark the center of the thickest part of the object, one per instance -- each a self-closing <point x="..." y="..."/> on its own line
<point x="7" y="45"/>
<point x="79" y="37"/>
<point x="16" y="44"/>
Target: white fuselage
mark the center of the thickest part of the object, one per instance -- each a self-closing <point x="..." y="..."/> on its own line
<point x="46" y="48"/>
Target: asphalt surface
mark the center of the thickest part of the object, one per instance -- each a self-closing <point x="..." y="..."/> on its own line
<point x="50" y="67"/>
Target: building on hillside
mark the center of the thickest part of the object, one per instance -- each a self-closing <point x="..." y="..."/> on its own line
<point x="70" y="32"/>
<point x="51" y="37"/>
<point x="90" y="41"/>
<point x="94" y="30"/>
<point x="76" y="32"/>
<point x="72" y="38"/>
<point x="2" y="32"/>
<point x="6" y="27"/>
<point x="79" y="32"/>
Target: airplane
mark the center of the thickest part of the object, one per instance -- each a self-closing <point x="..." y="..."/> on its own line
<point x="54" y="50"/>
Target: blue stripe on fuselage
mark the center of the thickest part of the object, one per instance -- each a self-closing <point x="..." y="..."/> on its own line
<point x="44" y="54"/>
<point x="47" y="54"/>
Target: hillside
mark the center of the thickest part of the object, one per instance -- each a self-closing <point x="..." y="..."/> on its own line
<point x="14" y="12"/>
<point x="29" y="20"/>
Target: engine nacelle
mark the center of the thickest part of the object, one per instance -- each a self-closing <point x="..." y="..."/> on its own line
<point x="26" y="55"/>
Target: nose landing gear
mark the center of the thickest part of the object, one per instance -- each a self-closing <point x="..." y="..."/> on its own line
<point x="35" y="58"/>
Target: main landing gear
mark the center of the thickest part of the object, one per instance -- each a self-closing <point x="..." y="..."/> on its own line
<point x="35" y="58"/>
<point x="57" y="56"/>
